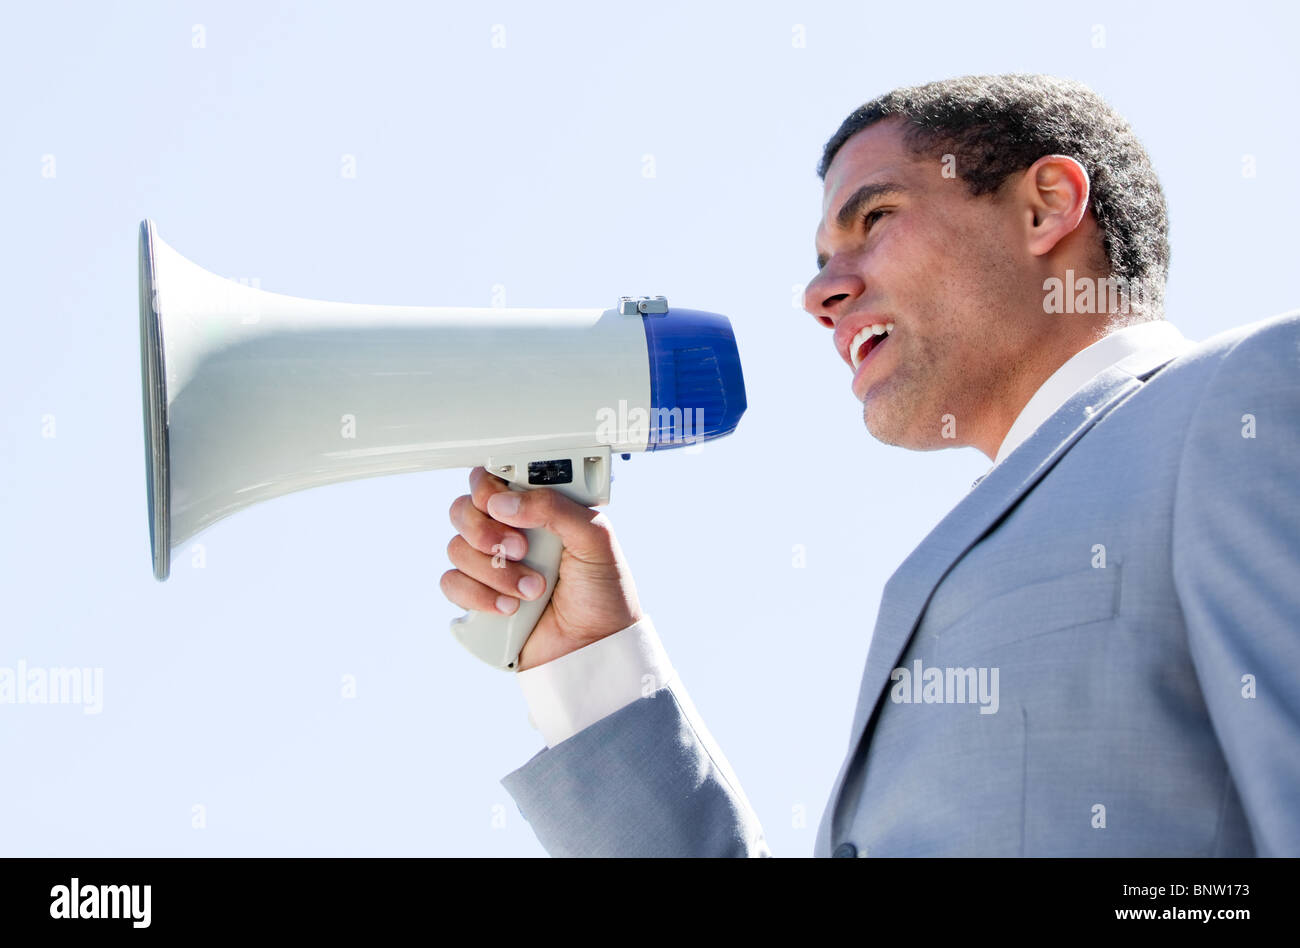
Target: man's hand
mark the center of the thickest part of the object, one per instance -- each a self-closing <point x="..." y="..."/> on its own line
<point x="594" y="593"/>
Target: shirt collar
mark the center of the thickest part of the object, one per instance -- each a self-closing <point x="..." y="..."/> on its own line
<point x="1139" y="347"/>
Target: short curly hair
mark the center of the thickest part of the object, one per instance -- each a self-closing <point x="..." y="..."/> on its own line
<point x="998" y="125"/>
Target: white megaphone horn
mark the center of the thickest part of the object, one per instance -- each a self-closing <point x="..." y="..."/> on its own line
<point x="249" y="395"/>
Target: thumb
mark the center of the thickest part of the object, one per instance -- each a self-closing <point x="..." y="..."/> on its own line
<point x="584" y="532"/>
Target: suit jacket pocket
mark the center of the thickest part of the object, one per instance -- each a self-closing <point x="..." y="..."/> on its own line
<point x="1050" y="605"/>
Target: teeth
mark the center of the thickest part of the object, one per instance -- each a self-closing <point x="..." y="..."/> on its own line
<point x="865" y="333"/>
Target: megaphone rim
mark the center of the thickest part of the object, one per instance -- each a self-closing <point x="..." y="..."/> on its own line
<point x="153" y="378"/>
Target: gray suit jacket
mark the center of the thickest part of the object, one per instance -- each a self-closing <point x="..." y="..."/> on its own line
<point x="1097" y="653"/>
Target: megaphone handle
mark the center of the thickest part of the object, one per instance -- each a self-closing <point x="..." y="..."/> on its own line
<point x="498" y="639"/>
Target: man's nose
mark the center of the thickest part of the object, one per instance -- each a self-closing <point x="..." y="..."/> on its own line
<point x="827" y="296"/>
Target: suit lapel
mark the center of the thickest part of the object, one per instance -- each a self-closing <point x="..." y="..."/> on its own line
<point x="913" y="584"/>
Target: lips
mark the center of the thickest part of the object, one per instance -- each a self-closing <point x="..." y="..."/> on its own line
<point x="866" y="339"/>
<point x="866" y="355"/>
<point x="852" y="331"/>
<point x="869" y="350"/>
<point x="865" y="350"/>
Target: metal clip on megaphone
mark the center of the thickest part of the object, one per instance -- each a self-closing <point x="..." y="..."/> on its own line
<point x="249" y="395"/>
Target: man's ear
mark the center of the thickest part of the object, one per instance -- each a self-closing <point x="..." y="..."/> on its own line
<point x="1054" y="191"/>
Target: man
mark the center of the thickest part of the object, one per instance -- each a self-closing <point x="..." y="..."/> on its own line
<point x="1096" y="652"/>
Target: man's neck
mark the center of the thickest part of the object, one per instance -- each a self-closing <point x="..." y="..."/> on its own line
<point x="1138" y="346"/>
<point x="1028" y="381"/>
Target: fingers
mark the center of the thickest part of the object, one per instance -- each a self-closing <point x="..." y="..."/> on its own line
<point x="480" y="530"/>
<point x="473" y="595"/>
<point x="585" y="533"/>
<point x="490" y="542"/>
<point x="488" y="583"/>
<point x="483" y="485"/>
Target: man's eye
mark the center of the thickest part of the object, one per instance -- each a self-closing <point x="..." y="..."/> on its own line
<point x="871" y="216"/>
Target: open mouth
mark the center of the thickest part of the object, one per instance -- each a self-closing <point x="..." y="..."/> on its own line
<point x="867" y="339"/>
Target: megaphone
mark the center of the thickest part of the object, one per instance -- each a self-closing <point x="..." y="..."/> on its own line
<point x="249" y="395"/>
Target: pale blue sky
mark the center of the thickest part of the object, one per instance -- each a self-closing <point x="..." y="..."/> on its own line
<point x="520" y="166"/>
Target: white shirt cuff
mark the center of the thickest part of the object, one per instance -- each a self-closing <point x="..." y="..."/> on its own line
<point x="575" y="691"/>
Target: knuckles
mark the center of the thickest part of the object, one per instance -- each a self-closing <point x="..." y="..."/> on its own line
<point x="483" y="485"/>
<point x="457" y="509"/>
<point x="601" y="523"/>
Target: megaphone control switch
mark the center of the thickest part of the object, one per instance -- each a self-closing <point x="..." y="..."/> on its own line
<point x="543" y="473"/>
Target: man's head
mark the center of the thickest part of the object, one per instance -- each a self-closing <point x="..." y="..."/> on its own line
<point x="996" y="185"/>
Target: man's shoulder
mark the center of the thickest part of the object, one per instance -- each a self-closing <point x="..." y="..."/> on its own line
<point x="1249" y="349"/>
<point x="1233" y="373"/>
<point x="1258" y="357"/>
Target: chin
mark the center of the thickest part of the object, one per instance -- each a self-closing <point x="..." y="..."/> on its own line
<point x="903" y="430"/>
<point x="883" y="424"/>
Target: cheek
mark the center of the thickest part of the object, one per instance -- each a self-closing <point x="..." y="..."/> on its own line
<point x="936" y="254"/>
<point x="936" y="276"/>
<point x="901" y="267"/>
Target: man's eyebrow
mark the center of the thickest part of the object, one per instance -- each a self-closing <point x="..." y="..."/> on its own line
<point x="849" y="210"/>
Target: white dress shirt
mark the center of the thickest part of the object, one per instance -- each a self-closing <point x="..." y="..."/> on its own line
<point x="576" y="690"/>
<point x="1132" y="341"/>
